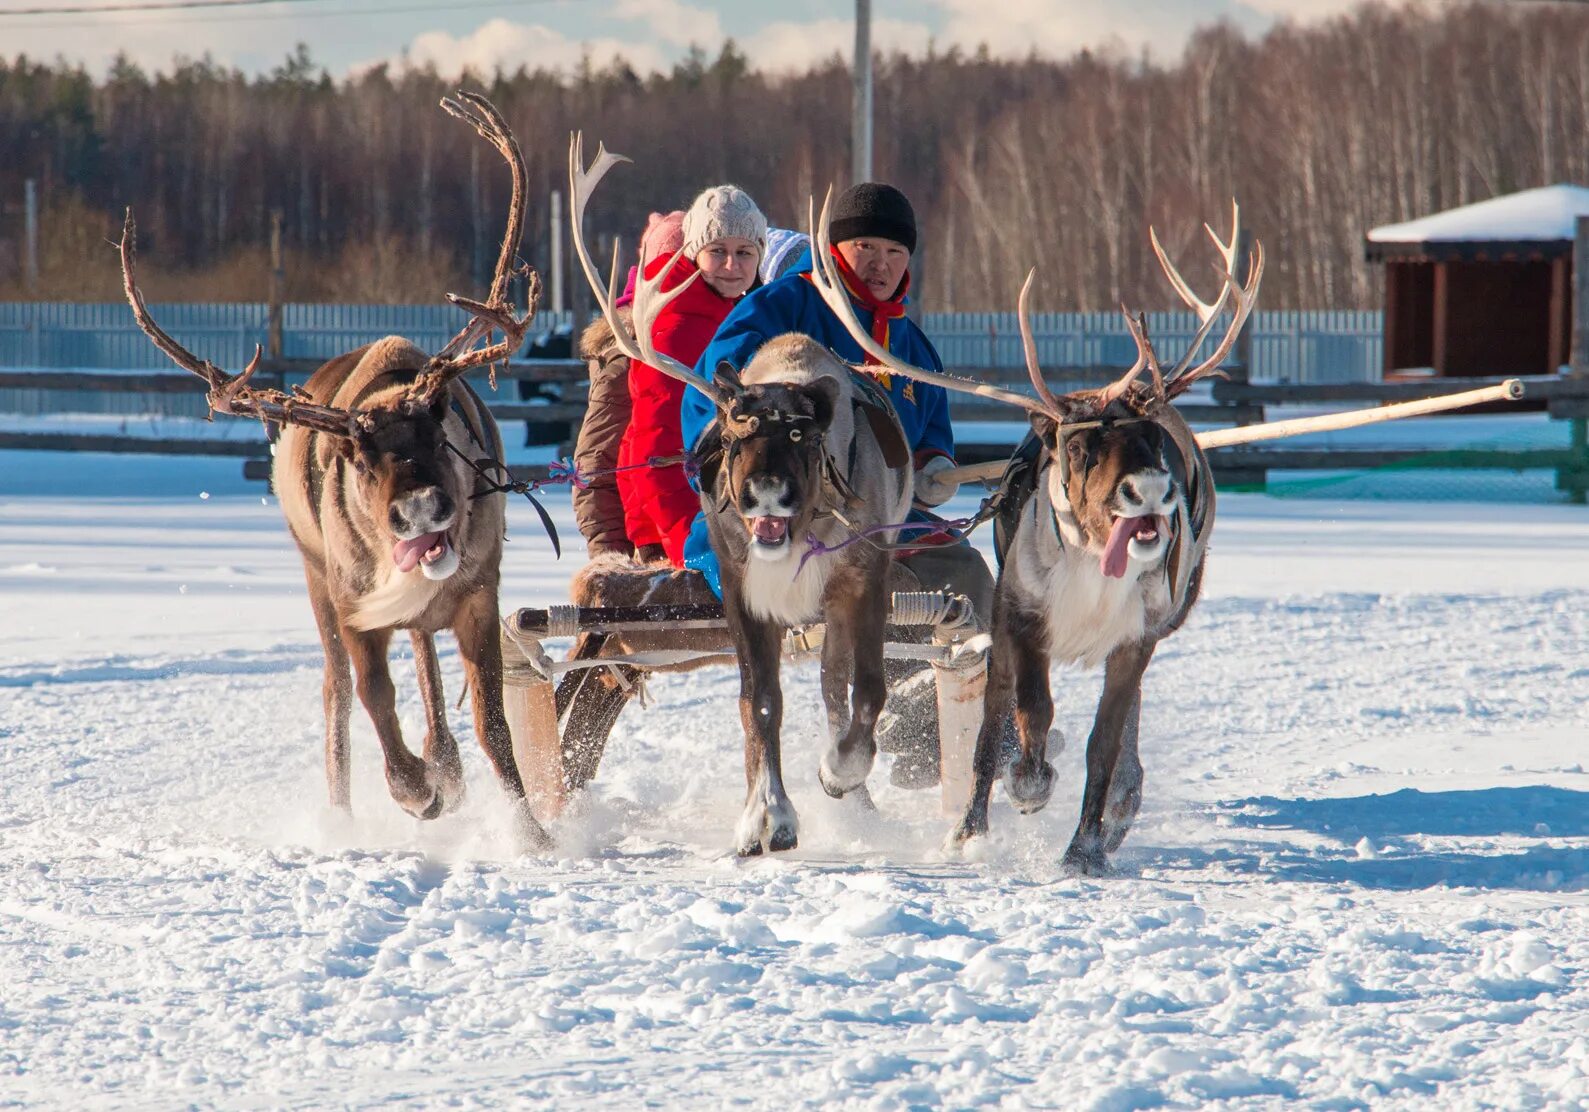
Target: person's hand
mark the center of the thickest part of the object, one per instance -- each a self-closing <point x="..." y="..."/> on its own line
<point x="932" y="488"/>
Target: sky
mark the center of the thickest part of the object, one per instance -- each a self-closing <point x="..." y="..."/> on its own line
<point x="346" y="35"/>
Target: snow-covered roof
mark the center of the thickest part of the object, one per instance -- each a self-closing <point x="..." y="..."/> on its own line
<point x="1546" y="214"/>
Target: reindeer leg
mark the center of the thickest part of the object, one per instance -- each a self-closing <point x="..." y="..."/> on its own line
<point x="1117" y="708"/>
<point x="337" y="693"/>
<point x="768" y="820"/>
<point x="1029" y="780"/>
<point x="853" y="650"/>
<point x="476" y="624"/>
<point x="407" y="777"/>
<point x="441" y="748"/>
<point x="1125" y="786"/>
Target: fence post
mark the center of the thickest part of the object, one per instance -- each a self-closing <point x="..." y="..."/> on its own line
<point x="1579" y="426"/>
<point x="277" y="280"/>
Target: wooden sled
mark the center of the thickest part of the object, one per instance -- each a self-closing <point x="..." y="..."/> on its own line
<point x="557" y="756"/>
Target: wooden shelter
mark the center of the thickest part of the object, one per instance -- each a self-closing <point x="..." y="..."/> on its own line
<point x="1485" y="289"/>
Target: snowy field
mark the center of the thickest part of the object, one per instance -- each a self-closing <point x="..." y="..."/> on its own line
<point x="1361" y="876"/>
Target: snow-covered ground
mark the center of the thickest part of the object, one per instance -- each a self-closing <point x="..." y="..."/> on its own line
<point x="1361" y="878"/>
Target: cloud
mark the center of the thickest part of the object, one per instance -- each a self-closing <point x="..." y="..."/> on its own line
<point x="786" y="45"/>
<point x="499" y="44"/>
<point x="1302" y="10"/>
<point x="673" y="22"/>
<point x="1020" y="27"/>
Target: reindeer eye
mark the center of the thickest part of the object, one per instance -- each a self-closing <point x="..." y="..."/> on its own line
<point x="794" y="434"/>
<point x="1075" y="449"/>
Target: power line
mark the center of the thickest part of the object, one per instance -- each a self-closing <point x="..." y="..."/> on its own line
<point x="158" y="18"/>
<point x="220" y="6"/>
<point x="154" y="6"/>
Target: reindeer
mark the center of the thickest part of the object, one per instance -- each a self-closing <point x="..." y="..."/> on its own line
<point x="1104" y="532"/>
<point x="804" y="455"/>
<point x="376" y="471"/>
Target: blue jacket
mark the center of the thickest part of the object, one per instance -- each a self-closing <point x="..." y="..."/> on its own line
<point x="792" y="304"/>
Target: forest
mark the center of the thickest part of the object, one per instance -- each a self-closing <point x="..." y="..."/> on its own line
<point x="1320" y="130"/>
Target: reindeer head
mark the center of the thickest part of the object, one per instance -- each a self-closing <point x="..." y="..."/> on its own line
<point x="1114" y="470"/>
<point x="1112" y="476"/>
<point x="405" y="482"/>
<point x="773" y="456"/>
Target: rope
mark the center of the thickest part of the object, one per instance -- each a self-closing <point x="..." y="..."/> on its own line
<point x="562" y="620"/>
<point x="920" y="608"/>
<point x="957" y="529"/>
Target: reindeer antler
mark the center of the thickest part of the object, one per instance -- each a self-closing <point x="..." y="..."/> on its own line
<point x="1180" y="378"/>
<point x="495" y="313"/>
<point x="826" y="278"/>
<point x="649" y="299"/>
<point x="228" y="393"/>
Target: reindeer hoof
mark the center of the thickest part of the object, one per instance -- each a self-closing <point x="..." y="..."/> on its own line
<point x="450" y="789"/>
<point x="839" y="774"/>
<point x="425" y="804"/>
<point x="1086" y="857"/>
<point x="1117" y="820"/>
<point x="529" y="836"/>
<point x="772" y="825"/>
<point x="1029" y="787"/>
<point x="968" y="828"/>
<point x="1121" y="806"/>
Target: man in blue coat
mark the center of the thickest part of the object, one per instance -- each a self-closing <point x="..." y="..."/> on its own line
<point x="873" y="231"/>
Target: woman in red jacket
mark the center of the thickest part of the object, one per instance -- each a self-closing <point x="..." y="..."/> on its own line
<point x="725" y="236"/>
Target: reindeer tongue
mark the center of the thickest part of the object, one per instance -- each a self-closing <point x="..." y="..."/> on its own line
<point x="406" y="554"/>
<point x="1115" y="552"/>
<point x="769" y="530"/>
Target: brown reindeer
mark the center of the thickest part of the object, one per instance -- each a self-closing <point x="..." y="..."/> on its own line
<point x="803" y="452"/>
<point x="1104" y="524"/>
<point x="374" y="471"/>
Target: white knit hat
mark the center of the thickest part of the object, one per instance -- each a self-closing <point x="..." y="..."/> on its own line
<point x="723" y="210"/>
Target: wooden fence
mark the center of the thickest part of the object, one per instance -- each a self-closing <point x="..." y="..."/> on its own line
<point x="985" y="429"/>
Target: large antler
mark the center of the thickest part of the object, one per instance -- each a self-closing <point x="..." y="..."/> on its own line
<point x="830" y="284"/>
<point x="228" y="393"/>
<point x="496" y="312"/>
<point x="1180" y="378"/>
<point x="649" y="299"/>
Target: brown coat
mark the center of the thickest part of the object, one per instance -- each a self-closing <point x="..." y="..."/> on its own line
<point x="597" y="507"/>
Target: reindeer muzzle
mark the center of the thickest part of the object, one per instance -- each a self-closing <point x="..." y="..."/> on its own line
<point x="427" y="550"/>
<point x="1141" y="537"/>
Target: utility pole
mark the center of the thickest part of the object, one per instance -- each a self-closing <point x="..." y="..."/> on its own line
<point x="861" y="98"/>
<point x="30" y="205"/>
<point x="557" y="251"/>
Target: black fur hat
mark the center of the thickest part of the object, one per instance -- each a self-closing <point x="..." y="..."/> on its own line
<point x="873" y="209"/>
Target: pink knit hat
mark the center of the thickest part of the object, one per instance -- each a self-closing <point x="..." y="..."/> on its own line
<point x="664" y="235"/>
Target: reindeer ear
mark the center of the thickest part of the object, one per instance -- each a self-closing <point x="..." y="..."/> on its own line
<point x="328" y="448"/>
<point x="824" y="395"/>
<point x="1046" y="428"/>
<point x="727" y="377"/>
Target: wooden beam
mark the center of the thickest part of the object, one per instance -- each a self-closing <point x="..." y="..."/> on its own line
<point x="1580" y="298"/>
<point x="132" y="445"/>
<point x="1441" y="315"/>
<point x="1560" y="319"/>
